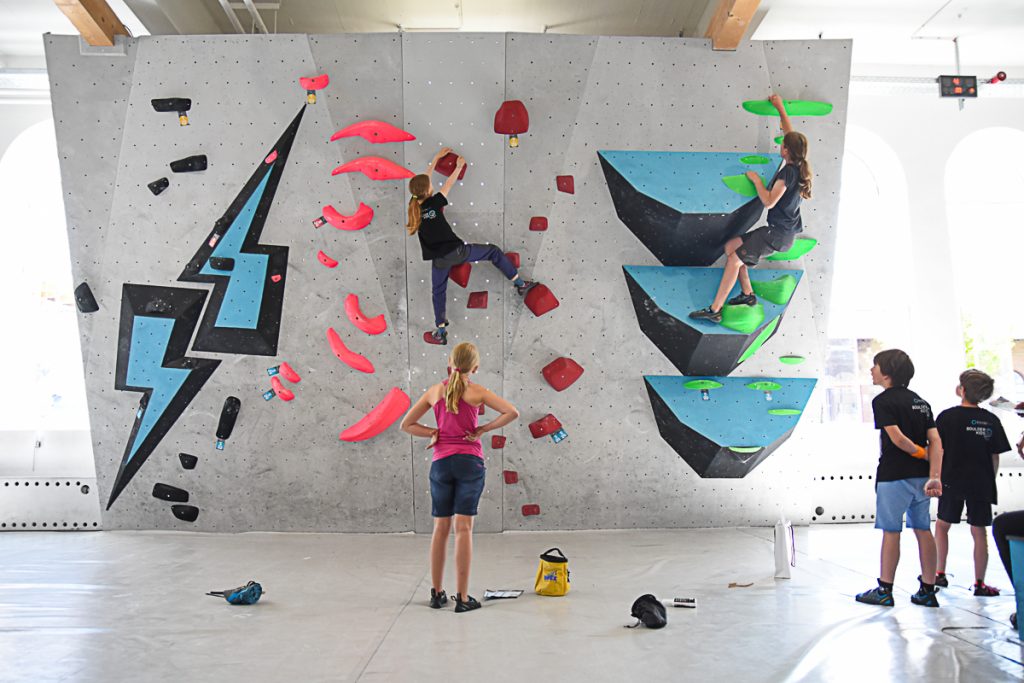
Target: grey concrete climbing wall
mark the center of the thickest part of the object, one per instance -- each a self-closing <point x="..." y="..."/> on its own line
<point x="284" y="467"/>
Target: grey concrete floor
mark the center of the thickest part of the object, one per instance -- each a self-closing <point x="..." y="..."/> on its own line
<point x="130" y="606"/>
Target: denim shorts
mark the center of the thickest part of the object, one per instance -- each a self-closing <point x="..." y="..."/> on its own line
<point x="456" y="484"/>
<point x="893" y="498"/>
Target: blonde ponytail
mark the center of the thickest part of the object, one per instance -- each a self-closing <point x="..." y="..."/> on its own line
<point x="419" y="186"/>
<point x="464" y="359"/>
<point x="453" y="392"/>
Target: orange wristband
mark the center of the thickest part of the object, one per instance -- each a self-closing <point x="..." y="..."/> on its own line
<point x="920" y="453"/>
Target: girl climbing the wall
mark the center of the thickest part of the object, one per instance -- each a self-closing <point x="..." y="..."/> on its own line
<point x="440" y="245"/>
<point x="782" y="197"/>
<point x="457" y="472"/>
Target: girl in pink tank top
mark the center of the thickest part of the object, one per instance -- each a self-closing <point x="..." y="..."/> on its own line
<point x="457" y="473"/>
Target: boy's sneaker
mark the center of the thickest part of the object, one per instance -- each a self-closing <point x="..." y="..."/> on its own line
<point x="925" y="597"/>
<point x="525" y="287"/>
<point x="983" y="590"/>
<point x="743" y="300"/>
<point x="877" y="596"/>
<point x="438" y="600"/>
<point x="707" y="314"/>
<point x="469" y="604"/>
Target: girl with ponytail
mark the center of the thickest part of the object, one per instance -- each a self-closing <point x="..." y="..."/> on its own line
<point x="782" y="197"/>
<point x="442" y="247"/>
<point x="457" y="471"/>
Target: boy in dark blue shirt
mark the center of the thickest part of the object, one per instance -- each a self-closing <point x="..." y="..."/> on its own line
<point x="972" y="439"/>
<point x="908" y="475"/>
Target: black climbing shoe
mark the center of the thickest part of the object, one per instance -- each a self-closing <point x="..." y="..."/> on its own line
<point x="983" y="590"/>
<point x="526" y="287"/>
<point x="925" y="597"/>
<point x="707" y="314"/>
<point x="941" y="580"/>
<point x="467" y="605"/>
<point x="1013" y="620"/>
<point x="877" y="596"/>
<point x="438" y="600"/>
<point x="438" y="335"/>
<point x="743" y="300"/>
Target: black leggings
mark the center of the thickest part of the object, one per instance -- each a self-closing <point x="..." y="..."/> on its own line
<point x="1007" y="524"/>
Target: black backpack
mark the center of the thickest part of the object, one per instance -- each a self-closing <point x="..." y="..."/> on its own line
<point x="649" y="611"/>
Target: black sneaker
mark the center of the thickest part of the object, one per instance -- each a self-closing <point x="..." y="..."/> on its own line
<point x="743" y="300"/>
<point x="526" y="287"/>
<point x="983" y="590"/>
<point x="438" y="600"/>
<point x="877" y="596"/>
<point x="925" y="597"/>
<point x="707" y="314"/>
<point x="467" y="605"/>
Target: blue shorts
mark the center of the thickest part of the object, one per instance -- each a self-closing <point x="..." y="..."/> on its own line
<point x="893" y="498"/>
<point x="456" y="484"/>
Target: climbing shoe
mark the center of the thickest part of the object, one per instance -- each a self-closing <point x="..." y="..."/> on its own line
<point x="925" y="597"/>
<point x="877" y="596"/>
<point x="941" y="580"/>
<point x="437" y="336"/>
<point x="525" y="287"/>
<point x="438" y="600"/>
<point x="1013" y="620"/>
<point x="743" y="300"/>
<point x="467" y="605"/>
<point x="707" y="314"/>
<point x="983" y="590"/>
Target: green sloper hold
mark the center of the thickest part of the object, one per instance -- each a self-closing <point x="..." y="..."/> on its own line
<point x="744" y="449"/>
<point x="702" y="384"/>
<point x="742" y="318"/>
<point x="801" y="245"/>
<point x="784" y="411"/>
<point x="778" y="291"/>
<point x="778" y="140"/>
<point x="761" y="339"/>
<point x="791" y="360"/>
<point x="764" y="386"/>
<point x="741" y="185"/>
<point x="793" y="108"/>
<point x="755" y="159"/>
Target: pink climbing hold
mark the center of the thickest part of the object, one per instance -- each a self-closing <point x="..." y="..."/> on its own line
<point x="513" y="257"/>
<point x="459" y="274"/>
<point x="538" y="224"/>
<point x="548" y="424"/>
<point x="376" y="132"/>
<point x="446" y="165"/>
<point x="482" y="409"/>
<point x="275" y="278"/>
<point x="357" y="221"/>
<point x="311" y="85"/>
<point x="375" y="168"/>
<point x="511" y="476"/>
<point x="561" y="373"/>
<point x="326" y="260"/>
<point x="271" y="158"/>
<point x="380" y="418"/>
<point x="531" y="510"/>
<point x="346" y="356"/>
<point x="565" y="183"/>
<point x="477" y="300"/>
<point x="358" y="318"/>
<point x="285" y="394"/>
<point x="289" y="374"/>
<point x="498" y="441"/>
<point x="540" y="300"/>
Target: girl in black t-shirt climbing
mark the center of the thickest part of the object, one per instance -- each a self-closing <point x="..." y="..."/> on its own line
<point x="440" y="245"/>
<point x="792" y="183"/>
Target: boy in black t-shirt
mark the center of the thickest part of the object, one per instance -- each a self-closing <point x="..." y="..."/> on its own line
<point x="908" y="475"/>
<point x="972" y="439"/>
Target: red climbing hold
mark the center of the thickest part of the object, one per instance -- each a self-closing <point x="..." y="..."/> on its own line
<point x="538" y="224"/>
<point x="275" y="278"/>
<point x="446" y="165"/>
<point x="513" y="257"/>
<point x="380" y="418"/>
<point x="565" y="184"/>
<point x="346" y="356"/>
<point x="477" y="300"/>
<point x="311" y="85"/>
<point x="375" y="168"/>
<point x="482" y="409"/>
<point x="548" y="424"/>
<point x="511" y="476"/>
<point x="271" y="158"/>
<point x="285" y="394"/>
<point x="540" y="300"/>
<point x="357" y="221"/>
<point x="374" y="131"/>
<point x="326" y="260"/>
<point x="562" y="372"/>
<point x="511" y="119"/>
<point x="289" y="374"/>
<point x="530" y="510"/>
<point x="498" y="441"/>
<point x="460" y="274"/>
<point x="358" y="318"/>
<point x="429" y="337"/>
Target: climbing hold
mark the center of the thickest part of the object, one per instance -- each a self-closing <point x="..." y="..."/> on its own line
<point x="784" y="411"/>
<point x="188" y="462"/>
<point x="326" y="260"/>
<point x="511" y="476"/>
<point x="779" y="139"/>
<point x="740" y="184"/>
<point x="271" y="158"/>
<point x="349" y="358"/>
<point x="171" y="493"/>
<point x="275" y="278"/>
<point x="511" y="119"/>
<point x="765" y="386"/>
<point x="801" y="246"/>
<point x="159" y="185"/>
<point x="704" y="385"/>
<point x="744" y="449"/>
<point x="84" y="299"/>
<point x="498" y="442"/>
<point x="311" y="85"/>
<point x="793" y="108"/>
<point x="268" y="394"/>
<point x="530" y="510"/>
<point x="561" y="373"/>
<point x="429" y="337"/>
<point x="374" y="131"/>
<point x="357" y="221"/>
<point x="446" y="165"/>
<point x="190" y="164"/>
<point x="459" y="274"/>
<point x="228" y="417"/>
<point x="759" y="341"/>
<point x="755" y="159"/>
<point x="540" y="300"/>
<point x="380" y="418"/>
<point x="564" y="183"/>
<point x="179" y="105"/>
<point x="538" y="224"/>
<point x="289" y="374"/>
<point x="280" y="390"/>
<point x="186" y="513"/>
<point x="477" y="300"/>
<point x="513" y="257"/>
<point x="222" y="263"/>
<point x="482" y="409"/>
<point x="548" y="424"/>
<point x="778" y="291"/>
<point x="356" y="317"/>
<point x="743" y="318"/>
<point x="375" y="168"/>
<point x="791" y="360"/>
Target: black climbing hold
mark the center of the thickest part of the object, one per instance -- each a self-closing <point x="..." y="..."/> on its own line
<point x="159" y="185"/>
<point x="228" y="415"/>
<point x="186" y="513"/>
<point x="84" y="299"/>
<point x="189" y="164"/>
<point x="171" y="493"/>
<point x="221" y="263"/>
<point x="178" y="105"/>
<point x="188" y="462"/>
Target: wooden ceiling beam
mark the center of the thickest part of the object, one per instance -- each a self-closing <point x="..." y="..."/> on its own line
<point x="730" y="22"/>
<point x="94" y="19"/>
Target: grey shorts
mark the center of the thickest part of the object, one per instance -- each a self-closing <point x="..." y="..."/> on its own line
<point x="762" y="242"/>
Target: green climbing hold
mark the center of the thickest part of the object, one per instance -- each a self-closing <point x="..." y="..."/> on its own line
<point x="778" y="291"/>
<point x="743" y="318"/>
<point x="761" y="339"/>
<point x="744" y="449"/>
<point x="778" y="140"/>
<point x="755" y="159"/>
<point x="764" y="385"/>
<point x="801" y="245"/>
<point x="784" y="411"/>
<point x="793" y="108"/>
<point x="741" y="185"/>
<point x="791" y="360"/>
<point x="702" y="384"/>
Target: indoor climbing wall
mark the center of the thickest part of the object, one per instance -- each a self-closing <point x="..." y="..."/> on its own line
<point x="214" y="282"/>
